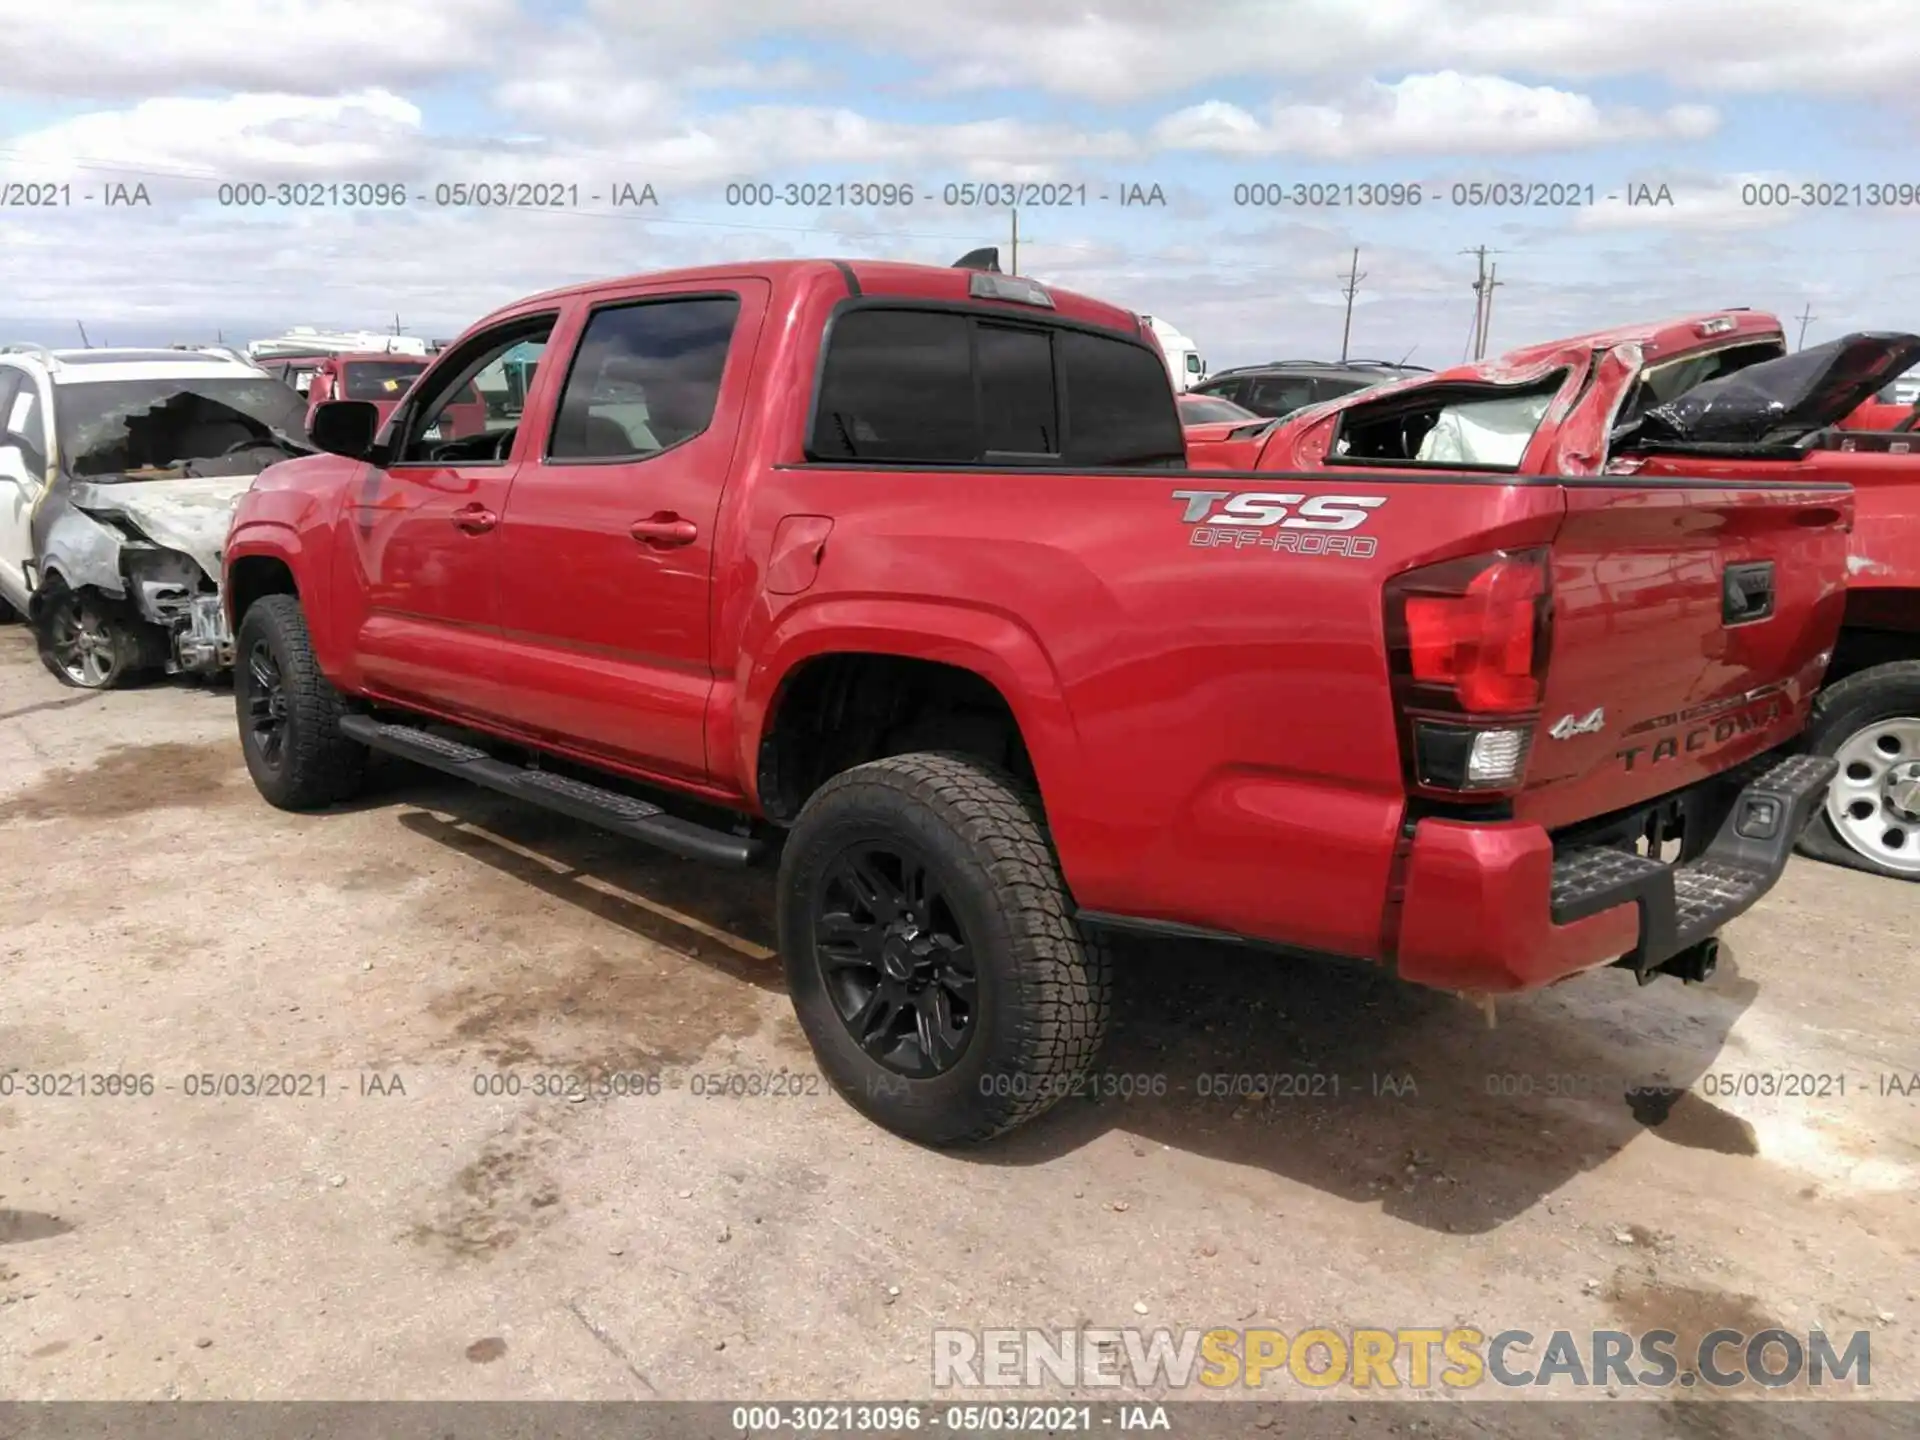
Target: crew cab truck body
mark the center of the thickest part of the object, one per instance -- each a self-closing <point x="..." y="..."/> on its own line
<point x="899" y="567"/>
<point x="1741" y="409"/>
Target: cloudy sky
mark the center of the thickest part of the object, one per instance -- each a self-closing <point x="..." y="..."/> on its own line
<point x="1267" y="127"/>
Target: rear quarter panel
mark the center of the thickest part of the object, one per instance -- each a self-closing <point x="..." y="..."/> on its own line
<point x="1209" y="716"/>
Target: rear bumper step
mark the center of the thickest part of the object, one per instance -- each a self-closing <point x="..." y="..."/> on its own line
<point x="1682" y="906"/>
<point x="609" y="809"/>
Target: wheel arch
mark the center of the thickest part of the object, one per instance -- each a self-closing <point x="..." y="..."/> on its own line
<point x="966" y="654"/>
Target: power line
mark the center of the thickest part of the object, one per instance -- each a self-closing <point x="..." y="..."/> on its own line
<point x="1805" y="315"/>
<point x="1353" y="277"/>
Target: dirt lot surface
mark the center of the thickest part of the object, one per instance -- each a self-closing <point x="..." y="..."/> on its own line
<point x="404" y="1236"/>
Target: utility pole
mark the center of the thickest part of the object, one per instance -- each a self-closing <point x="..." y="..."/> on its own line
<point x="1353" y="277"/>
<point x="1806" y="314"/>
<point x="1486" y="319"/>
<point x="1014" y="269"/>
<point x="1482" y="293"/>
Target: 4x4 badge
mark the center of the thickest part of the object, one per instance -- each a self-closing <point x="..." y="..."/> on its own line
<point x="1568" y="726"/>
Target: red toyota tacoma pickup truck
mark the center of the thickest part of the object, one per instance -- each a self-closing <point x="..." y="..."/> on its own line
<point x="1713" y="398"/>
<point x="899" y="570"/>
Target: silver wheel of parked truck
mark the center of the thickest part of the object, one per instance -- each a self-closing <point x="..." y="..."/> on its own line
<point x="1870" y="723"/>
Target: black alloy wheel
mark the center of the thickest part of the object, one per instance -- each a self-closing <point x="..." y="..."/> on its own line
<point x="895" y="960"/>
<point x="263" y="700"/>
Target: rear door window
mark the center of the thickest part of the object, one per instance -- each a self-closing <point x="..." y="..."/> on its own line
<point x="898" y="385"/>
<point x="1277" y="395"/>
<point x="1325" y="389"/>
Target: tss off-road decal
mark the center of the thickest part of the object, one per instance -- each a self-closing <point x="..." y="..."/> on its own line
<point x="1285" y="524"/>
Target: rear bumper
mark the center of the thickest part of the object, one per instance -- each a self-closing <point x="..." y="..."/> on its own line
<point x="1493" y="908"/>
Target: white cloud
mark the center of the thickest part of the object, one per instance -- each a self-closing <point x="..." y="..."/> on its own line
<point x="1437" y="114"/>
<point x="1717" y="205"/>
<point x="1125" y="49"/>
<point x="101" y="48"/>
<point x="1119" y="51"/>
<point x="354" y="136"/>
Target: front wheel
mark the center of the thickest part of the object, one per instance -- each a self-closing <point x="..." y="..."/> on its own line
<point x="931" y="952"/>
<point x="1870" y="723"/>
<point x="290" y="713"/>
<point x="92" y="643"/>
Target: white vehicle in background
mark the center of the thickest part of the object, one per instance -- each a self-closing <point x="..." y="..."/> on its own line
<point x="1184" y="363"/>
<point x="119" y="472"/>
<point x="304" y="340"/>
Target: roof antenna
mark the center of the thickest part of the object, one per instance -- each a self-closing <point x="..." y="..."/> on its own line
<point x="1408" y="356"/>
<point x="85" y="344"/>
<point x="987" y="258"/>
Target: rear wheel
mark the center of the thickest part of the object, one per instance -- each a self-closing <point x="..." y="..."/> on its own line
<point x="1870" y="723"/>
<point x="290" y="713"/>
<point x="92" y="643"/>
<point x="931" y="951"/>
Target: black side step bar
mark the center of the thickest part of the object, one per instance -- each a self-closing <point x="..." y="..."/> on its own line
<point x="622" y="814"/>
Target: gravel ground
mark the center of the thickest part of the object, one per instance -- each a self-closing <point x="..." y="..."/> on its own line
<point x="421" y="1231"/>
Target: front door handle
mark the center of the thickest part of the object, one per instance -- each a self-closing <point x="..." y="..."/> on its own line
<point x="475" y="519"/>
<point x="665" y="530"/>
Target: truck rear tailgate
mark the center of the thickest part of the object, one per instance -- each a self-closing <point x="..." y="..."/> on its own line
<point x="1692" y="622"/>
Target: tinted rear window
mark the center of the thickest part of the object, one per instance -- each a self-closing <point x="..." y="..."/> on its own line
<point x="898" y="385"/>
<point x="1018" y="406"/>
<point x="1277" y="395"/>
<point x="946" y="388"/>
<point x="1120" y="403"/>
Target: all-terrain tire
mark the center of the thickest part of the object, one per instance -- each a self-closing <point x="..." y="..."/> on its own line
<point x="314" y="765"/>
<point x="1840" y="712"/>
<point x="1044" y="989"/>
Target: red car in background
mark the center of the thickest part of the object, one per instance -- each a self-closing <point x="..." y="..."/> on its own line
<point x="1894" y="410"/>
<point x="1687" y="407"/>
<point x="383" y="380"/>
<point x="1220" y="434"/>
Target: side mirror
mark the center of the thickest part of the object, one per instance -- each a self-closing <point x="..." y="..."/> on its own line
<point x="345" y="427"/>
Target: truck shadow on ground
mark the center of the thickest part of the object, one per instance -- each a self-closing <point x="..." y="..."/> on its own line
<point x="1327" y="1073"/>
<point x="723" y="919"/>
<point x="1337" y="1076"/>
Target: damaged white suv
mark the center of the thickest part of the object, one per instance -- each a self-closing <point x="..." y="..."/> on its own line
<point x="119" y="471"/>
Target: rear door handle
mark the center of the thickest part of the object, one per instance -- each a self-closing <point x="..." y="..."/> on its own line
<point x="475" y="519"/>
<point x="664" y="531"/>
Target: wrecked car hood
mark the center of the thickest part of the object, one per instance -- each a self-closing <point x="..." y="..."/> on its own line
<point x="189" y="515"/>
<point x="1781" y="400"/>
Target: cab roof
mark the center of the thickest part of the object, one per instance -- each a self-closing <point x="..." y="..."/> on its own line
<point x="889" y="278"/>
<point x="1658" y="340"/>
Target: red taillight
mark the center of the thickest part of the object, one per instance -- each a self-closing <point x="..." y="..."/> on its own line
<point x="1471" y="631"/>
<point x="1467" y="641"/>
